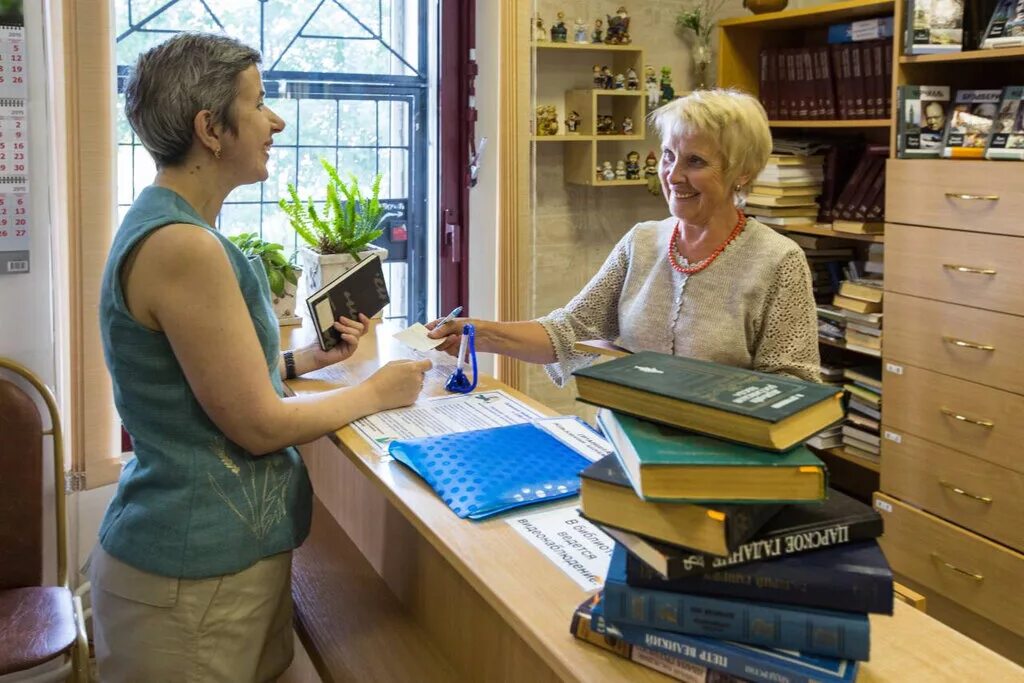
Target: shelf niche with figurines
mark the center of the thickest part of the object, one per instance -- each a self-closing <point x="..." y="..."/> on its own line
<point x="590" y="95"/>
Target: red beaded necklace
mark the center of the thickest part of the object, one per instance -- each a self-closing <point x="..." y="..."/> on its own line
<point x="704" y="263"/>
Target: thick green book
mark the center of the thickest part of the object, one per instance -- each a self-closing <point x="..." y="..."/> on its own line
<point x="754" y="408"/>
<point x="668" y="464"/>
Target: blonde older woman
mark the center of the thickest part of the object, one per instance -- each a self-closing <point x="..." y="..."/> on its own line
<point x="706" y="282"/>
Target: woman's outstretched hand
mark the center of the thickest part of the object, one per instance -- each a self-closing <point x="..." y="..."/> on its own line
<point x="451" y="332"/>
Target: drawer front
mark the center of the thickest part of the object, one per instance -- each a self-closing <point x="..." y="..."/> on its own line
<point x="968" y="417"/>
<point x="960" y="267"/>
<point x="983" y="497"/>
<point x="945" y="338"/>
<point x="983" y="576"/>
<point x="979" y="196"/>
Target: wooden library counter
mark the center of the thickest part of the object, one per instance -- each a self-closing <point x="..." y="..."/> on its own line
<point x="495" y="608"/>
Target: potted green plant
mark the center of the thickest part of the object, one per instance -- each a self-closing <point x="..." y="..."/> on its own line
<point x="282" y="274"/>
<point x="343" y="235"/>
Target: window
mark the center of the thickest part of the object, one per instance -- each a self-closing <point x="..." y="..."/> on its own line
<point x="349" y="77"/>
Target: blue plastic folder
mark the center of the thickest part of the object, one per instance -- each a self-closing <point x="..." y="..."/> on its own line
<point x="484" y="472"/>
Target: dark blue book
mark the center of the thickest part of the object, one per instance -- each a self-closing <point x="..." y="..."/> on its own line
<point x="829" y="633"/>
<point x="736" y="659"/>
<point x="852" y="578"/>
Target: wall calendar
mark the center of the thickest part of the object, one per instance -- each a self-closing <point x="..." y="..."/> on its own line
<point x="14" y="199"/>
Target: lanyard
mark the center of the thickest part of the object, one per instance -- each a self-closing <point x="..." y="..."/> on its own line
<point x="458" y="383"/>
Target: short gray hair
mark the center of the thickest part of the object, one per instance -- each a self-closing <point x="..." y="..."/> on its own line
<point x="177" y="79"/>
<point x="735" y="119"/>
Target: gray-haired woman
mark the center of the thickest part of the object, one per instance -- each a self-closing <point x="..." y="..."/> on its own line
<point x="706" y="282"/>
<point x="190" y="580"/>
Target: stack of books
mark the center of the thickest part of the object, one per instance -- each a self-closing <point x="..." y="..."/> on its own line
<point x="859" y="301"/>
<point x="862" y="429"/>
<point x="859" y="208"/>
<point x="733" y="558"/>
<point x="785" y="193"/>
<point x="826" y="257"/>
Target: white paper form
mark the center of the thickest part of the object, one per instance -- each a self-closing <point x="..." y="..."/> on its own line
<point x="443" y="415"/>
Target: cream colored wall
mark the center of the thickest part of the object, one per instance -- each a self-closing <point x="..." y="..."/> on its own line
<point x="573" y="227"/>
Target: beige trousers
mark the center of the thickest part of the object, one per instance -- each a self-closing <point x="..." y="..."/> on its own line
<point x="232" y="628"/>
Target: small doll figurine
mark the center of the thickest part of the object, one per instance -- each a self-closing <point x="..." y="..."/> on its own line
<point x="633" y="165"/>
<point x="620" y="170"/>
<point x="627" y="126"/>
<point x="620" y="82"/>
<point x="559" y="33"/>
<point x="540" y="34"/>
<point x="597" y="35"/>
<point x="667" y="93"/>
<point x="632" y="81"/>
<point x="609" y="124"/>
<point x="606" y="171"/>
<point x="572" y="122"/>
<point x="649" y="75"/>
<point x="602" y="126"/>
<point x="609" y="80"/>
<point x="547" y="120"/>
<point x="653" y="91"/>
<point x="618" y="28"/>
<point x="579" y="31"/>
<point x="598" y="77"/>
<point x="651" y="173"/>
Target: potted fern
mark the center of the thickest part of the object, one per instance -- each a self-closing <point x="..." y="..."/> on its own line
<point x="282" y="274"/>
<point x="343" y="235"/>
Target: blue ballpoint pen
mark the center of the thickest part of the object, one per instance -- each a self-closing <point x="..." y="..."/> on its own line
<point x="448" y="318"/>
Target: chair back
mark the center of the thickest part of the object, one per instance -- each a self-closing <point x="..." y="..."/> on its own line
<point x="21" y="481"/>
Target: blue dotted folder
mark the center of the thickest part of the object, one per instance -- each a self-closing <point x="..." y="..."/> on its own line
<point x="484" y="472"/>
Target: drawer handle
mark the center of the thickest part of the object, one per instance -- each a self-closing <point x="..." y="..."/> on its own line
<point x="968" y="269"/>
<point x="982" y="197"/>
<point x="959" y="491"/>
<point x="988" y="424"/>
<point x="976" y="577"/>
<point x="964" y="344"/>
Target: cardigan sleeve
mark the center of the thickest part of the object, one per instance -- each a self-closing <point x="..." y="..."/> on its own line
<point x="591" y="314"/>
<point x="788" y="339"/>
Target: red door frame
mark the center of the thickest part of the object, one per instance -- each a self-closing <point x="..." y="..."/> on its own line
<point x="456" y="128"/>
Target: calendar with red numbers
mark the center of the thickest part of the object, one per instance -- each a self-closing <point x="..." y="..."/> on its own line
<point x="14" y="199"/>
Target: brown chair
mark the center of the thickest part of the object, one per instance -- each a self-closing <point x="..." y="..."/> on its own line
<point x="42" y="632"/>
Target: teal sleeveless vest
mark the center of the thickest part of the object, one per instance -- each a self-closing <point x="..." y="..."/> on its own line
<point x="191" y="503"/>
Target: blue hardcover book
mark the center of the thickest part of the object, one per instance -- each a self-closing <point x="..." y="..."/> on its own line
<point x="856" y="31"/>
<point x="743" y="661"/>
<point x="821" y="632"/>
<point x="484" y="472"/>
<point x="851" y="578"/>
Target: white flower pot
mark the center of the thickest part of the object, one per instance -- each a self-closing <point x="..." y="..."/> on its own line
<point x="284" y="306"/>
<point x="319" y="269"/>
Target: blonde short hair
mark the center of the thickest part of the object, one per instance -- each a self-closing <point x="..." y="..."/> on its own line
<point x="735" y="119"/>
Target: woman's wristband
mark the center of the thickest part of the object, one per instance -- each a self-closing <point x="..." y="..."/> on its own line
<point x="289" y="365"/>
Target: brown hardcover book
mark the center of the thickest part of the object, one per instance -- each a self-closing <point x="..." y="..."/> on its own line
<point x="839" y="72"/>
<point x="856" y="305"/>
<point x="859" y="227"/>
<point x="876" y="165"/>
<point x="882" y="82"/>
<point x="887" y="62"/>
<point x="763" y="200"/>
<point x="864" y="290"/>
<point x="844" y="195"/>
<point x="827" y="81"/>
<point x="771" y="105"/>
<point x="802" y="109"/>
<point x="871" y="206"/>
<point x="812" y="79"/>
<point x="856" y="81"/>
<point x="867" y="66"/>
<point x="782" y="84"/>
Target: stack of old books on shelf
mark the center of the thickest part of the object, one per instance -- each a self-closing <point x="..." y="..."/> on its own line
<point x="861" y="432"/>
<point x="734" y="560"/>
<point x="785" y="193"/>
<point x="860" y="205"/>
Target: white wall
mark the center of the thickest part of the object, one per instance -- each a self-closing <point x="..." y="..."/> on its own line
<point x="483" y="199"/>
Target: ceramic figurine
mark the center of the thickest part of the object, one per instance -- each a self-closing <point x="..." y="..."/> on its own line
<point x="572" y="122"/>
<point x="620" y="170"/>
<point x="618" y="28"/>
<point x="667" y="93"/>
<point x="633" y="166"/>
<point x="597" y="35"/>
<point x="602" y="127"/>
<point x="632" y="80"/>
<point x="651" y="173"/>
<point x="609" y="80"/>
<point x="650" y="76"/>
<point x="609" y="124"/>
<point x="606" y="171"/>
<point x="620" y="82"/>
<point x="547" y="120"/>
<point x="559" y="33"/>
<point x="598" y="77"/>
<point x="627" y="126"/>
<point x="653" y="91"/>
<point x="540" y="34"/>
<point x="579" y="31"/>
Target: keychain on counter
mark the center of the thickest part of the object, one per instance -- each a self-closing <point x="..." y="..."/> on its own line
<point x="458" y="383"/>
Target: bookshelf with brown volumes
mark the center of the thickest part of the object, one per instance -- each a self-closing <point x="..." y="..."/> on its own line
<point x="950" y="475"/>
<point x="745" y="45"/>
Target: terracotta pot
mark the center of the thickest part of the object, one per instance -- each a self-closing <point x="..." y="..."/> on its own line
<point x="762" y="6"/>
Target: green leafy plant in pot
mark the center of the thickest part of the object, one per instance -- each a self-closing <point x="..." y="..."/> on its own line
<point x="282" y="274"/>
<point x="343" y="234"/>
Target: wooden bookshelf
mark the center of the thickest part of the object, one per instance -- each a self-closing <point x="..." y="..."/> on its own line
<point x="824" y="230"/>
<point x="591" y="47"/>
<point x="998" y="55"/>
<point x="563" y="138"/>
<point x="831" y="13"/>
<point x="842" y="345"/>
<point x="840" y="452"/>
<point x="833" y="123"/>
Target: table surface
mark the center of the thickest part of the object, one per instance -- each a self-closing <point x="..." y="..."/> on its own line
<point x="537" y="599"/>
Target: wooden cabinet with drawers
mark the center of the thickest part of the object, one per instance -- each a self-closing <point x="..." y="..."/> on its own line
<point x="952" y="465"/>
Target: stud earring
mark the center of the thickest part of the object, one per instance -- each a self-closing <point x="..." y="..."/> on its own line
<point x="216" y="153"/>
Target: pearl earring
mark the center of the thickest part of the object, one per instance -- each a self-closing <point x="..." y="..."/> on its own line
<point x="216" y="153"/>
